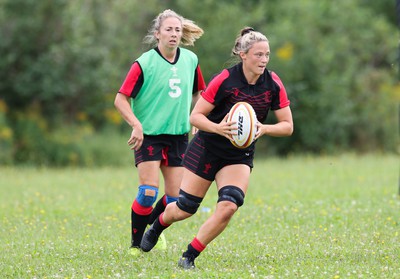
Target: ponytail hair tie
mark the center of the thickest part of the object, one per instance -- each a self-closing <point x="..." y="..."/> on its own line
<point x="246" y="30"/>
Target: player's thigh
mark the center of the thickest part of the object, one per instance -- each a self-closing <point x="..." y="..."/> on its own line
<point x="149" y="172"/>
<point x="236" y="175"/>
<point x="172" y="179"/>
<point x="194" y="184"/>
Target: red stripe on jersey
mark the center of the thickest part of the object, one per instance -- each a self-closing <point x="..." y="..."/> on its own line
<point x="131" y="79"/>
<point x="201" y="85"/>
<point x="209" y="93"/>
<point x="283" y="98"/>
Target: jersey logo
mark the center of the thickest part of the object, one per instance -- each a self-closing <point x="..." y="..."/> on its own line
<point x="174" y="69"/>
<point x="235" y="91"/>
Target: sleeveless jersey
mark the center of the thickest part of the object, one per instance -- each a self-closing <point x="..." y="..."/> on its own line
<point x="163" y="102"/>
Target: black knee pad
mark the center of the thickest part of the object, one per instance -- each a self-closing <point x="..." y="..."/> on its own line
<point x="187" y="202"/>
<point x="231" y="193"/>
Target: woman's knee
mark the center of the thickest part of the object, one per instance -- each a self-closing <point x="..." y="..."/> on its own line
<point x="188" y="203"/>
<point x="230" y="198"/>
<point x="225" y="210"/>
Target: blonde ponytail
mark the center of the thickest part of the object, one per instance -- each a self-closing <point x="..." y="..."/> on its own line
<point x="190" y="31"/>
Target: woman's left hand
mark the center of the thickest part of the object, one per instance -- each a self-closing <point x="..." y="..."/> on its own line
<point x="260" y="130"/>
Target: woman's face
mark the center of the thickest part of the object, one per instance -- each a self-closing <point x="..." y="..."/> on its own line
<point x="257" y="58"/>
<point x="170" y="33"/>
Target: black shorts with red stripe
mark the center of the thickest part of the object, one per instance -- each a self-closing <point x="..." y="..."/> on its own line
<point x="201" y="161"/>
<point x="169" y="149"/>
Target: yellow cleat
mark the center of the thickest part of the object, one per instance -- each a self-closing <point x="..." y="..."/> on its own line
<point x="162" y="243"/>
<point x="134" y="251"/>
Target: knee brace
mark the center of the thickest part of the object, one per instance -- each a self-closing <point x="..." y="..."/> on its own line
<point x="169" y="199"/>
<point x="188" y="203"/>
<point x="147" y="195"/>
<point x="231" y="193"/>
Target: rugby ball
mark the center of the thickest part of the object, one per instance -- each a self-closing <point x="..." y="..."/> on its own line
<point x="245" y="117"/>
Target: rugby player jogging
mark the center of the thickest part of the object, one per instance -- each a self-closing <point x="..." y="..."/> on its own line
<point x="211" y="156"/>
<point x="155" y="100"/>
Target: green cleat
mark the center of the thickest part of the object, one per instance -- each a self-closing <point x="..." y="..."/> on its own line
<point x="134" y="251"/>
<point x="152" y="240"/>
<point x="162" y="243"/>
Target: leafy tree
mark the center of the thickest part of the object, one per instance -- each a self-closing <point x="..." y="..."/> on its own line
<point x="61" y="63"/>
<point x="334" y="53"/>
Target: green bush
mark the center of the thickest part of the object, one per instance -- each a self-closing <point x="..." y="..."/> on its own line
<point x="66" y="145"/>
<point x="6" y="138"/>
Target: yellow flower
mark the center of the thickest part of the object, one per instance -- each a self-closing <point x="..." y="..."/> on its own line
<point x="3" y="106"/>
<point x="5" y="133"/>
<point x="285" y="52"/>
<point x="113" y="116"/>
<point x="81" y="116"/>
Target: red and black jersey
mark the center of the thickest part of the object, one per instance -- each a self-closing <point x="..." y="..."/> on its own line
<point x="229" y="87"/>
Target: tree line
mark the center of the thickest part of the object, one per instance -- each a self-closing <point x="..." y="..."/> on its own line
<point x="62" y="62"/>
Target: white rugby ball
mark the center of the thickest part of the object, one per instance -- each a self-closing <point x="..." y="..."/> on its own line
<point x="245" y="117"/>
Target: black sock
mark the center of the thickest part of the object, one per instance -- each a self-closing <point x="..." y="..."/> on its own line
<point x="158" y="209"/>
<point x="158" y="227"/>
<point x="138" y="225"/>
<point x="191" y="252"/>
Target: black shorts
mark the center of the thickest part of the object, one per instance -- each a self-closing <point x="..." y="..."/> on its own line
<point x="206" y="164"/>
<point x="169" y="149"/>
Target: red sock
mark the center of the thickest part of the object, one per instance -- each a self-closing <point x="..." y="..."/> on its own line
<point x="196" y="244"/>
<point x="162" y="223"/>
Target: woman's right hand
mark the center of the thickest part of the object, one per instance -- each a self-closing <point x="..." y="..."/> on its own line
<point x="136" y="139"/>
<point x="227" y="128"/>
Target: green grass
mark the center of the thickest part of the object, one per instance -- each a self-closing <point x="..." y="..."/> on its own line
<point x="303" y="217"/>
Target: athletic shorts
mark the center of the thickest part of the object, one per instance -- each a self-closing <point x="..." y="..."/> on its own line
<point x="206" y="164"/>
<point x="169" y="149"/>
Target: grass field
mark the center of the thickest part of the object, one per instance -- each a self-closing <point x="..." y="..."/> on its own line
<point x="303" y="217"/>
